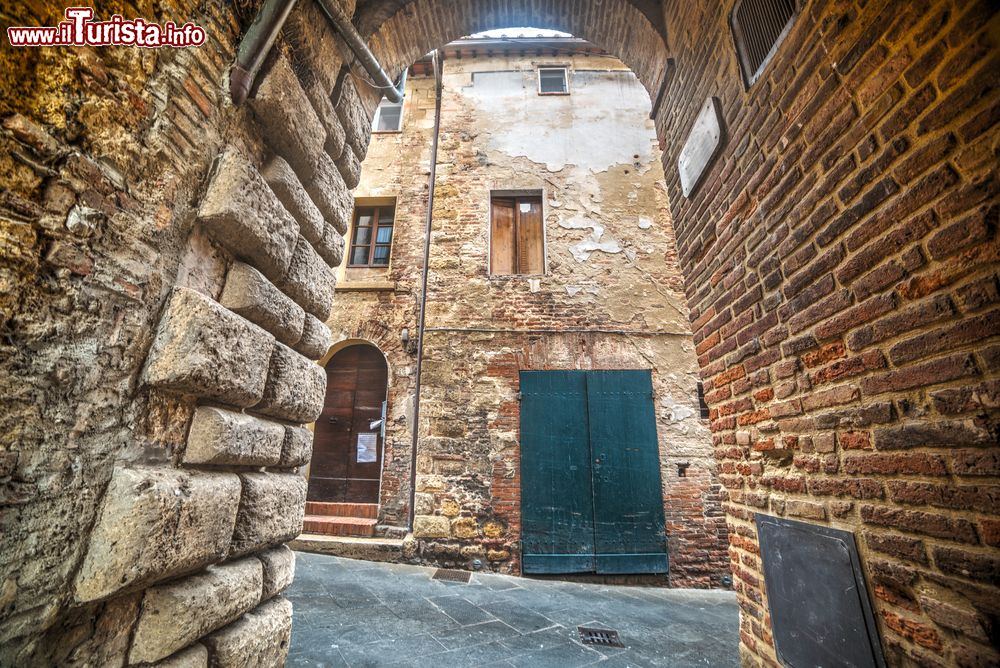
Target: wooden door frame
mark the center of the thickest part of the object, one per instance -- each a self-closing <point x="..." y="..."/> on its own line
<point x="323" y="362"/>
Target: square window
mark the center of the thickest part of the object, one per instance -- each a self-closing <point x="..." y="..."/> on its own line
<point x="388" y="117"/>
<point x="552" y="81"/>
<point x="371" y="238"/>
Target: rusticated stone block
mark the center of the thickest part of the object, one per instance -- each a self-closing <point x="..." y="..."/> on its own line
<point x="291" y="127"/>
<point x="175" y="615"/>
<point x="317" y="44"/>
<point x="353" y="115"/>
<point x="249" y="294"/>
<point x="315" y="340"/>
<point x="242" y="213"/>
<point x="195" y="656"/>
<point x="297" y="448"/>
<point x="258" y="640"/>
<point x="431" y="526"/>
<point x="295" y="387"/>
<point x="331" y="246"/>
<point x="330" y="194"/>
<point x="350" y="168"/>
<point x="271" y="509"/>
<point x="309" y="281"/>
<point x="281" y="178"/>
<point x="336" y="138"/>
<point x="279" y="569"/>
<point x="208" y="351"/>
<point x="222" y="437"/>
<point x="155" y="524"/>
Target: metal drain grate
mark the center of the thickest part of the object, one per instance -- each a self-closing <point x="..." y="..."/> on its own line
<point x="451" y="575"/>
<point x="602" y="637"/>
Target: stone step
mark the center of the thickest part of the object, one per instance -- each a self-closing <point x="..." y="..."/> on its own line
<point x="365" y="510"/>
<point x="367" y="549"/>
<point x="339" y="526"/>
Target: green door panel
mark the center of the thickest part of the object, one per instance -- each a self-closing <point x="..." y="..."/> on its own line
<point x="628" y="497"/>
<point x="557" y="507"/>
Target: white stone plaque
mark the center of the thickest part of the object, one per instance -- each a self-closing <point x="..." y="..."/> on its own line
<point x="367" y="444"/>
<point x="703" y="143"/>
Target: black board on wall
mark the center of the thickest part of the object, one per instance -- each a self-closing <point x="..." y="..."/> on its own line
<point x="821" y="615"/>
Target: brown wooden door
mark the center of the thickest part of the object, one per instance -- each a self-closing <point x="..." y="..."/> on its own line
<point x="347" y="450"/>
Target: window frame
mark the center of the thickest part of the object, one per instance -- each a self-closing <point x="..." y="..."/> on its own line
<point x="378" y="117"/>
<point x="376" y="225"/>
<point x="565" y="71"/>
<point x="739" y="43"/>
<point x="517" y="196"/>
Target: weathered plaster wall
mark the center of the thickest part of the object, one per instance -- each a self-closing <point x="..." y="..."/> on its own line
<point x="611" y="266"/>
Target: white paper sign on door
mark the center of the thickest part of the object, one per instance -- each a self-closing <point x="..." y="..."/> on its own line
<point x="366" y="448"/>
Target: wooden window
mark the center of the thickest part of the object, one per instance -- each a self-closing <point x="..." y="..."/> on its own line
<point x="517" y="235"/>
<point x="372" y="236"/>
<point x="758" y="28"/>
<point x="552" y="81"/>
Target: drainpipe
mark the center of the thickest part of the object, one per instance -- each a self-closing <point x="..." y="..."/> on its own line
<point x="421" y="316"/>
<point x="255" y="45"/>
<point x="342" y="22"/>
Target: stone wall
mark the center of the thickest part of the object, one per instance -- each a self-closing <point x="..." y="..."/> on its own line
<point x="166" y="275"/>
<point x="840" y="263"/>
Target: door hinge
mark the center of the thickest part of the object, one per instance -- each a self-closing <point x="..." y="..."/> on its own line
<point x="520" y="396"/>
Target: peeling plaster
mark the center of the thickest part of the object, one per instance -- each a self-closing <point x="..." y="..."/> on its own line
<point x="596" y="125"/>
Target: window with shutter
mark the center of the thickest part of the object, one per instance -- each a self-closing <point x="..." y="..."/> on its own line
<point x="517" y="236"/>
<point x="758" y="28"/>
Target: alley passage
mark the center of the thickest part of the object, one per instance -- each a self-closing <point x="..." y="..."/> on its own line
<point x="359" y="613"/>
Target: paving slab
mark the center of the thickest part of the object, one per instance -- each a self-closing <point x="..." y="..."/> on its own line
<point x="360" y="614"/>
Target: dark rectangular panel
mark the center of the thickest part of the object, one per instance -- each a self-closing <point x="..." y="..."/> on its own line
<point x="820" y="611"/>
<point x="628" y="496"/>
<point x="557" y="510"/>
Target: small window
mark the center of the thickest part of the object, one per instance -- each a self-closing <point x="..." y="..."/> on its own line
<point x="702" y="406"/>
<point x="517" y="236"/>
<point x="552" y="81"/>
<point x="371" y="238"/>
<point x="388" y="117"/>
<point x="758" y="28"/>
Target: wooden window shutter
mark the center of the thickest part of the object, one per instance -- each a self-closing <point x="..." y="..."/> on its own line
<point x="530" y="240"/>
<point x="502" y="235"/>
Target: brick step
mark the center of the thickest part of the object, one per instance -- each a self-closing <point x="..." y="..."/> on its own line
<point x="339" y="526"/>
<point x="365" y="510"/>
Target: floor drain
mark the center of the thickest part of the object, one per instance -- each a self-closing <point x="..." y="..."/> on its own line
<point x="451" y="575"/>
<point x="602" y="637"/>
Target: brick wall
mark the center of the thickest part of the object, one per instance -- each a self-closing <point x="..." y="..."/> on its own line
<point x="841" y="264"/>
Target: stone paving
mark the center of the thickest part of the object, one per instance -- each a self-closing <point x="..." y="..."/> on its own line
<point x="358" y="614"/>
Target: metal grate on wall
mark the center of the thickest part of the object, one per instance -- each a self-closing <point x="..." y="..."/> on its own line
<point x="758" y="28"/>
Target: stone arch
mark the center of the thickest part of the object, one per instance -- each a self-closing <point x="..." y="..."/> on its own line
<point x="616" y="26"/>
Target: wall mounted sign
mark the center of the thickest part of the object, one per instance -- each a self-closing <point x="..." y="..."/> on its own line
<point x="820" y="611"/>
<point x="702" y="145"/>
<point x="367" y="446"/>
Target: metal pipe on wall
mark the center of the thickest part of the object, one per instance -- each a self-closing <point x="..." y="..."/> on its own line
<point x="342" y="22"/>
<point x="421" y="317"/>
<point x="254" y="47"/>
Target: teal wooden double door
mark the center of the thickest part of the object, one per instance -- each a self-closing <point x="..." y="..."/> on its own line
<point x="591" y="498"/>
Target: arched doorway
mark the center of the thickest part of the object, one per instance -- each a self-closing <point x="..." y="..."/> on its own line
<point x="347" y="450"/>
